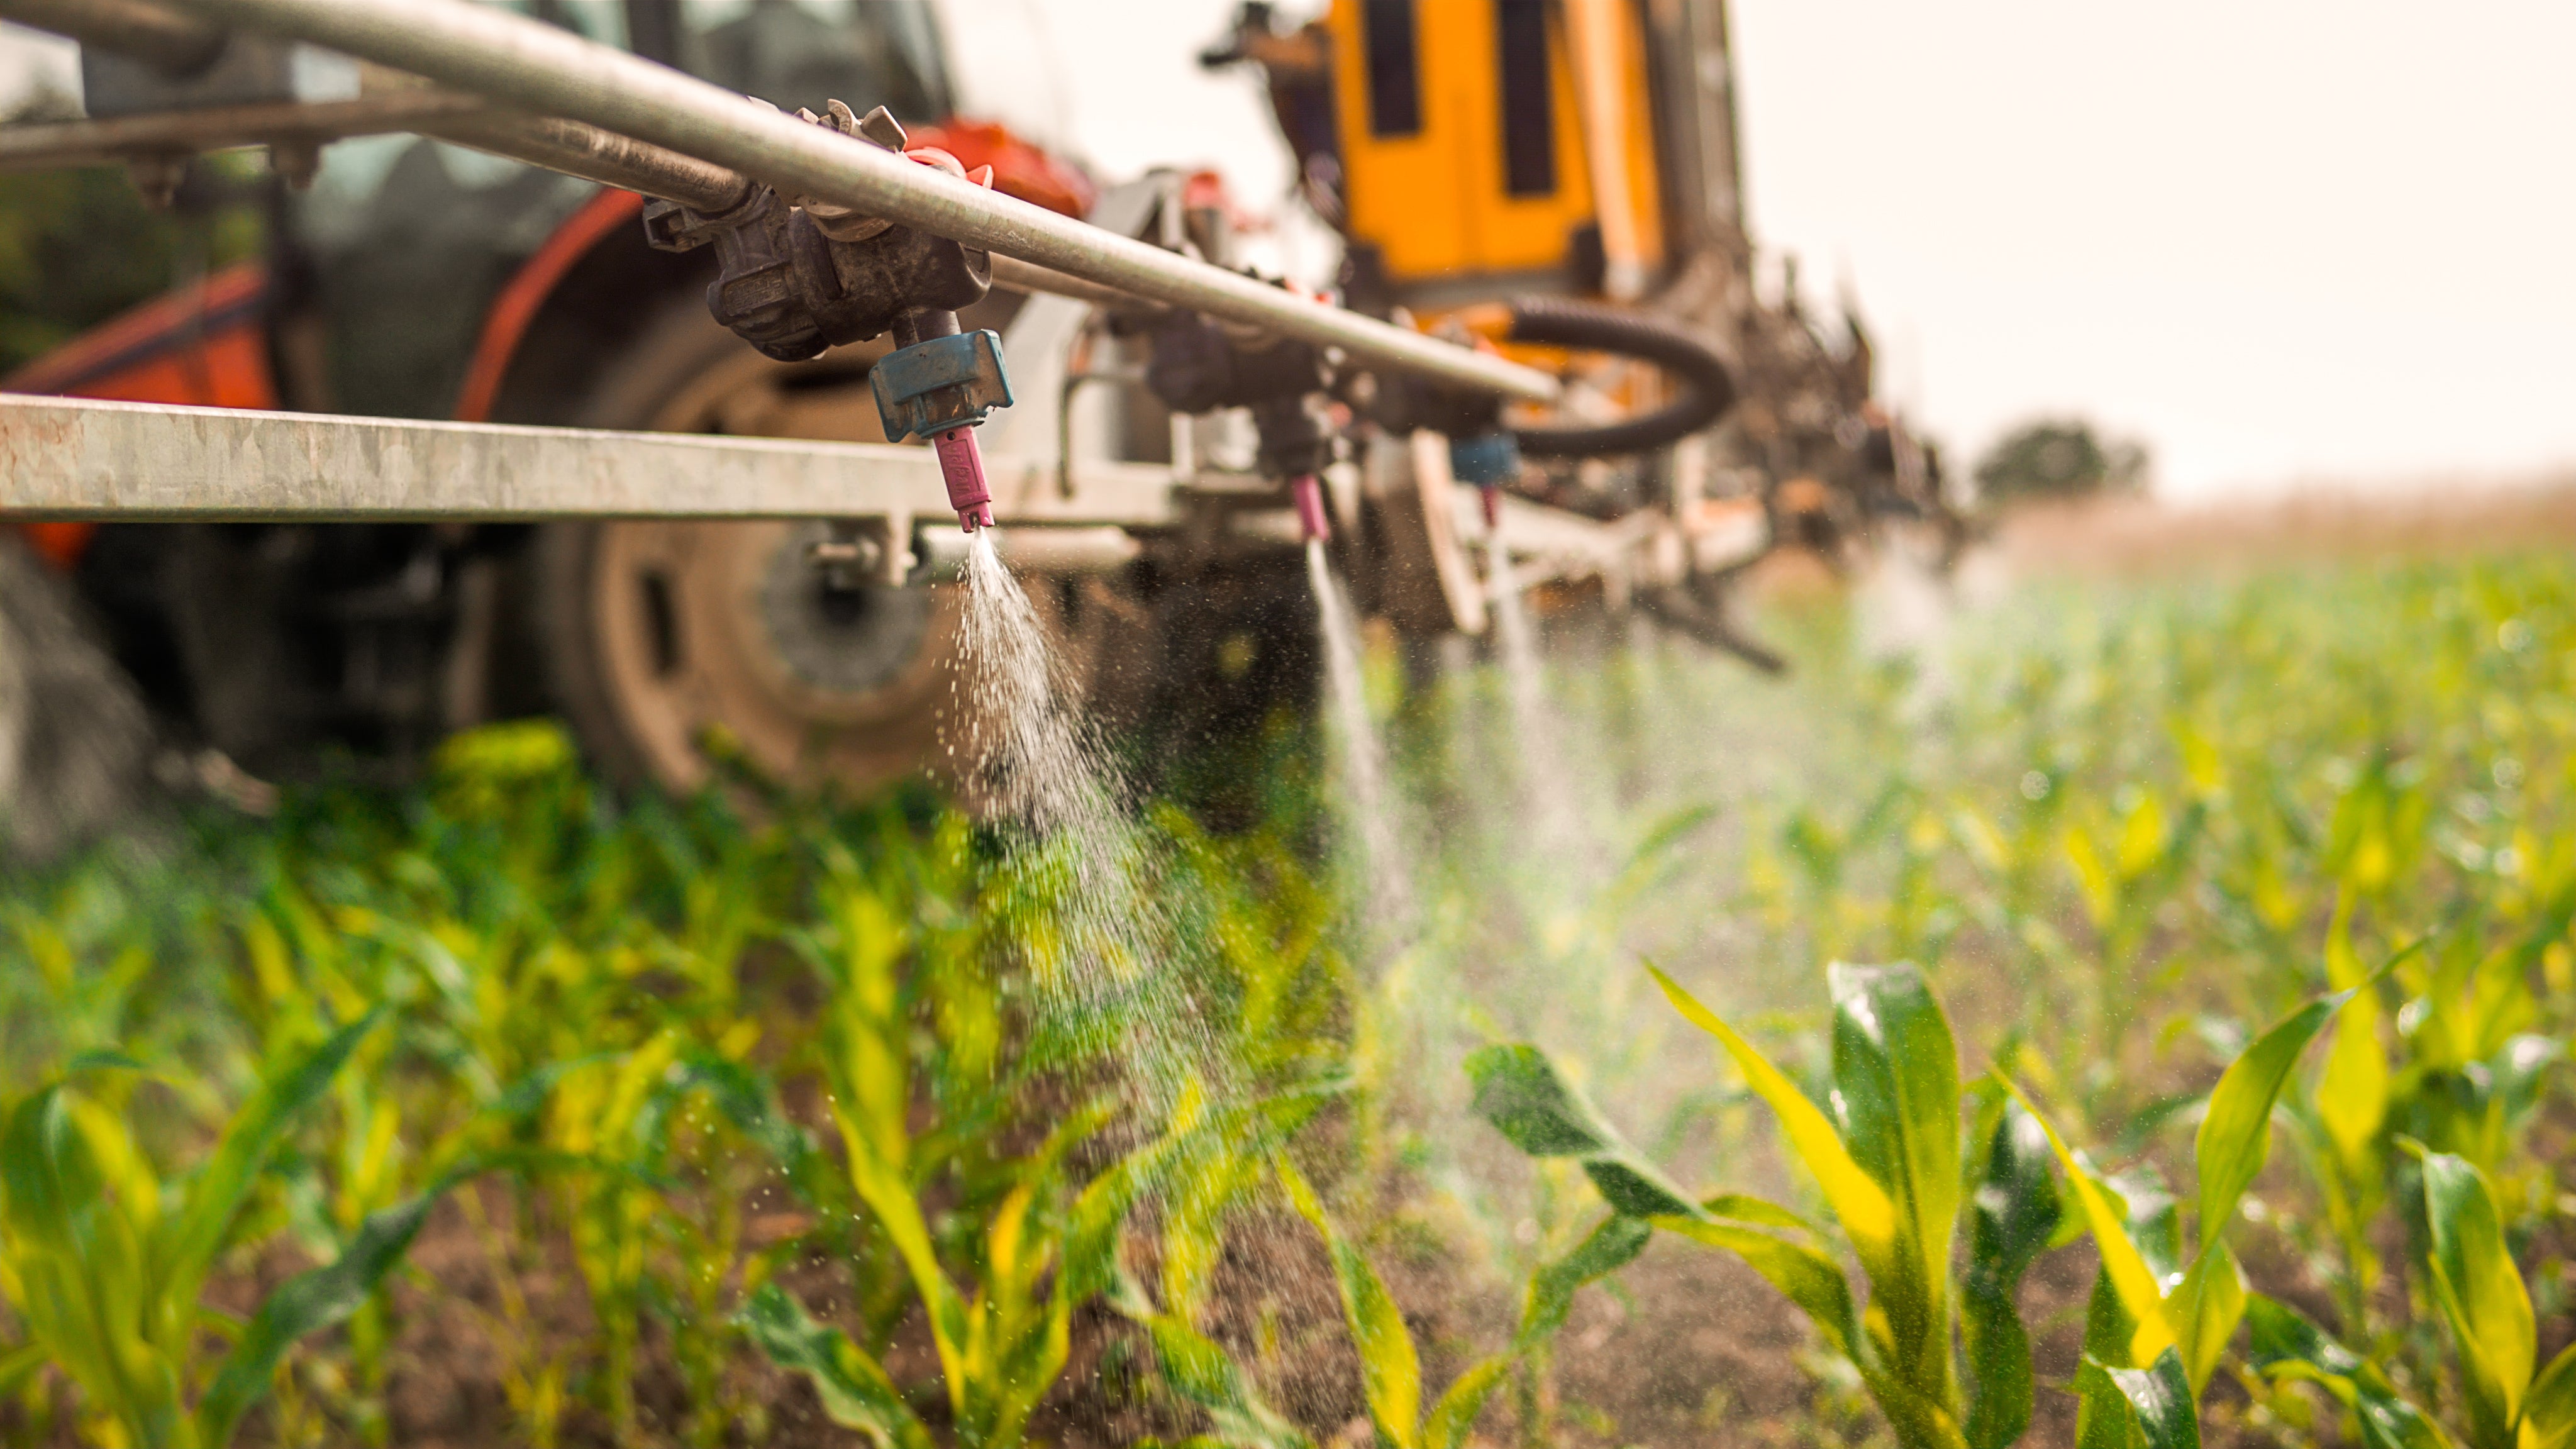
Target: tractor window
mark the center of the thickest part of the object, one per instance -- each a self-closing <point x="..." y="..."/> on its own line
<point x="790" y="52"/>
<point x="1529" y="120"/>
<point x="803" y="52"/>
<point x="1394" y="68"/>
<point x="600" y="20"/>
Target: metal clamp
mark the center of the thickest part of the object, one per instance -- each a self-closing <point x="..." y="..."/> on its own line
<point x="796" y="277"/>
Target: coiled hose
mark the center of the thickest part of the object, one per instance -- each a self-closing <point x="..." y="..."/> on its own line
<point x="1708" y="390"/>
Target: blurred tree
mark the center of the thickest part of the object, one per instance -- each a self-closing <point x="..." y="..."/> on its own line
<point x="2059" y="458"/>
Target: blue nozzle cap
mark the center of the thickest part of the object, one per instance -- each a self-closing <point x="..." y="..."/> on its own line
<point x="940" y="383"/>
<point x="1485" y="460"/>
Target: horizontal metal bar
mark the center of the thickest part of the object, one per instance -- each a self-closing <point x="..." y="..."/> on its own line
<point x="542" y="69"/>
<point x="595" y="155"/>
<point x="77" y="458"/>
<point x="224" y="128"/>
<point x="1012" y="274"/>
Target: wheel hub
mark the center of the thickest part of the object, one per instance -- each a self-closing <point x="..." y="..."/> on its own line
<point x="834" y="639"/>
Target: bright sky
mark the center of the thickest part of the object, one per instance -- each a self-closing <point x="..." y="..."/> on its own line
<point x="2299" y="240"/>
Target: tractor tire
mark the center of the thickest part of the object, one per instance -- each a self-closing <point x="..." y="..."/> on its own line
<point x="672" y="645"/>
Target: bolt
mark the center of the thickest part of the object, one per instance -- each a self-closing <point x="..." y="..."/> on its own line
<point x="296" y="160"/>
<point x="157" y="177"/>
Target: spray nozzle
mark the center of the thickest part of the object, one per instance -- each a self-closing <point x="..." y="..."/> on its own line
<point x="939" y="385"/>
<point x="1312" y="522"/>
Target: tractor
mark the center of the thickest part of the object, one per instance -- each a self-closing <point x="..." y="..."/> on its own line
<point x="1553" y="179"/>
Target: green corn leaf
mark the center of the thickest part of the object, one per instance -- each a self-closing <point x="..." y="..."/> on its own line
<point x="1804" y="1275"/>
<point x="2481" y="1295"/>
<point x="2549" y="1410"/>
<point x="2142" y="838"/>
<point x="751" y="1105"/>
<point x="870" y="1136"/>
<point x="2154" y="1406"/>
<point x="1453" y="1417"/>
<point x="304" y="1304"/>
<point x="2236" y="1133"/>
<point x="80" y="1275"/>
<point x="186" y="1247"/>
<point x="2013" y="1213"/>
<point x="1605" y="1250"/>
<point x="2153" y="1221"/>
<point x="2205" y="1309"/>
<point x="1896" y="1092"/>
<point x="1199" y="1370"/>
<point x="1524" y="1096"/>
<point x="2352" y="1094"/>
<point x="1815" y="1283"/>
<point x="1867" y="1214"/>
<point x="2093" y="877"/>
<point x="2124" y="1268"/>
<point x="2285" y="1345"/>
<point x="19" y="1365"/>
<point x="1744" y="1208"/>
<point x="1390" y="1373"/>
<point x="855" y="1391"/>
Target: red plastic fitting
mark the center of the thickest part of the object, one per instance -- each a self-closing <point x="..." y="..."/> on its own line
<point x="961" y="467"/>
<point x="1311" y="518"/>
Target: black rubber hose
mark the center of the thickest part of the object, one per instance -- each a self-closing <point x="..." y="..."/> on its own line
<point x="1708" y="390"/>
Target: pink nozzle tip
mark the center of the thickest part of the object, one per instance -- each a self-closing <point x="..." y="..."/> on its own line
<point x="961" y="468"/>
<point x="1309" y="494"/>
<point x="1492" y="498"/>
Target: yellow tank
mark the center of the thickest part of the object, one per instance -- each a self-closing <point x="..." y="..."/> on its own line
<point x="1492" y="145"/>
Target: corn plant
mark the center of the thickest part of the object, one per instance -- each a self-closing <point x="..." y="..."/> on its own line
<point x="104" y="1262"/>
<point x="2504" y="1403"/>
<point x="1892" y="1168"/>
<point x="1948" y="1363"/>
<point x="1214" y="1160"/>
<point x="989" y="1273"/>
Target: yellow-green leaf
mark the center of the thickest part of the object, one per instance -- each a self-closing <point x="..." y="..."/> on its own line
<point x="855" y="1391"/>
<point x="2013" y="1213"/>
<point x="2481" y="1295"/>
<point x="2205" y="1309"/>
<point x="2549" y="1410"/>
<point x="1529" y="1101"/>
<point x="1896" y="1093"/>
<point x="2093" y="877"/>
<point x="2122" y="1266"/>
<point x="1866" y="1212"/>
<point x="2236" y="1132"/>
<point x="1390" y="1373"/>
<point x="2142" y="837"/>
<point x="2352" y="1094"/>
<point x="2286" y="1345"/>
<point x="2156" y="1402"/>
<point x="1804" y="1275"/>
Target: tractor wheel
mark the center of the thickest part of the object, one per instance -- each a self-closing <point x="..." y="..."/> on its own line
<point x="670" y="644"/>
